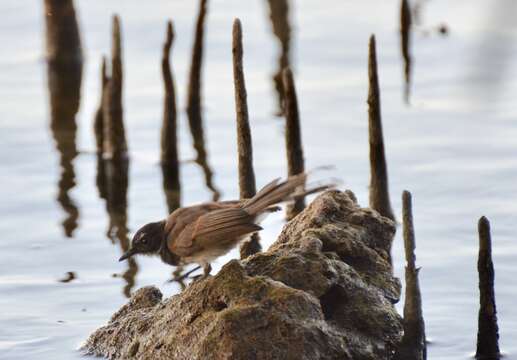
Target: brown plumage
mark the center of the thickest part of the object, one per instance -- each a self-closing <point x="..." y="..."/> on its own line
<point x="202" y="233"/>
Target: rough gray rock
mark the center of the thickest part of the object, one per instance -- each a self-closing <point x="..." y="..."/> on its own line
<point x="324" y="290"/>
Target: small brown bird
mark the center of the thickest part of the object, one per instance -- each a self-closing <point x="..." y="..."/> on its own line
<point x="201" y="233"/>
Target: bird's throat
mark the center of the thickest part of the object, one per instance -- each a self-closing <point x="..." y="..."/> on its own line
<point x="168" y="257"/>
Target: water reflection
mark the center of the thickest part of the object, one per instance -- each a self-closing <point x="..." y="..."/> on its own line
<point x="279" y="16"/>
<point x="98" y="125"/>
<point x="194" y="101"/>
<point x="171" y="188"/>
<point x="64" y="101"/>
<point x="64" y="76"/>
<point x="69" y="276"/>
<point x="112" y="183"/>
<point x="418" y="7"/>
<point x="112" y="177"/>
<point x="405" y="37"/>
<point x="169" y="139"/>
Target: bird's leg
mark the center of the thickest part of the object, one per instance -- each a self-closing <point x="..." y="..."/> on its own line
<point x="179" y="277"/>
<point x="206" y="269"/>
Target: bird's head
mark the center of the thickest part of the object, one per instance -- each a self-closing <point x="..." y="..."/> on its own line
<point x="147" y="240"/>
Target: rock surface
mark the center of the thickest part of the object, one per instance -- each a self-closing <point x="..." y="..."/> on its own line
<point x="324" y="290"/>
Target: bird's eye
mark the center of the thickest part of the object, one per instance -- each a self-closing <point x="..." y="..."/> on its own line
<point x="140" y="238"/>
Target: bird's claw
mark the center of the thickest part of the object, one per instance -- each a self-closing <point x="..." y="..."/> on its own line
<point x="179" y="277"/>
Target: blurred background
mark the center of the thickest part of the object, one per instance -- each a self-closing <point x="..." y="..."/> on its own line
<point x="449" y="136"/>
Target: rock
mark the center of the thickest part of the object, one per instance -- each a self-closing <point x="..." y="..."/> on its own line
<point x="324" y="290"/>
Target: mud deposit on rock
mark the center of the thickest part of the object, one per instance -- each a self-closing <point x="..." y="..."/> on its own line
<point x="324" y="290"/>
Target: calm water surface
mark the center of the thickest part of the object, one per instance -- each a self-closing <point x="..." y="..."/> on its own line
<point x="454" y="147"/>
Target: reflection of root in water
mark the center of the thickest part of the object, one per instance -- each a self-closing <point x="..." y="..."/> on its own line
<point x="64" y="85"/>
<point x="112" y="161"/>
<point x="172" y="194"/>
<point x="112" y="183"/>
<point x="194" y="101"/>
<point x="208" y="177"/>
<point x="65" y="184"/>
<point x="169" y="138"/>
<point x="64" y="75"/>
<point x="116" y="172"/>
<point x="129" y="276"/>
<point x="69" y="276"/>
<point x="279" y="16"/>
<point x="405" y="33"/>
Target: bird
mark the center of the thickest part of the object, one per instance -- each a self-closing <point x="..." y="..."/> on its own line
<point x="202" y="233"/>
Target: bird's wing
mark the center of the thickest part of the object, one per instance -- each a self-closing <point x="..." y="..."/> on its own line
<point x="225" y="225"/>
<point x="184" y="216"/>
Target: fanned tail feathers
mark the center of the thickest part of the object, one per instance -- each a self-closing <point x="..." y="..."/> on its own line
<point x="277" y="192"/>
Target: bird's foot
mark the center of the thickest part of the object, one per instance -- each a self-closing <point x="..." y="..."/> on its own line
<point x="180" y="278"/>
<point x="206" y="272"/>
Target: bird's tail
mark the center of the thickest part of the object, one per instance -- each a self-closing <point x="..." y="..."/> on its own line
<point x="277" y="192"/>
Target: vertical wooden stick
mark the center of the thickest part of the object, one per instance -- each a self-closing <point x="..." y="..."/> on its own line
<point x="405" y="27"/>
<point x="295" y="159"/>
<point x="244" y="145"/>
<point x="113" y="164"/>
<point x="116" y="59"/>
<point x="169" y="146"/>
<point x="379" y="194"/>
<point x="247" y="186"/>
<point x="413" y="345"/>
<point x="488" y="331"/>
<point x="194" y="100"/>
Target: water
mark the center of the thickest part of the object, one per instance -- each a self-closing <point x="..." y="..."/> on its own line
<point x="454" y="148"/>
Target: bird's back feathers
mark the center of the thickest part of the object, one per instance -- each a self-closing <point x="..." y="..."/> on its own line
<point x="214" y="228"/>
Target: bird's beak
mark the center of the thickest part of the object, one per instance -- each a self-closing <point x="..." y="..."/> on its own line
<point x="127" y="254"/>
